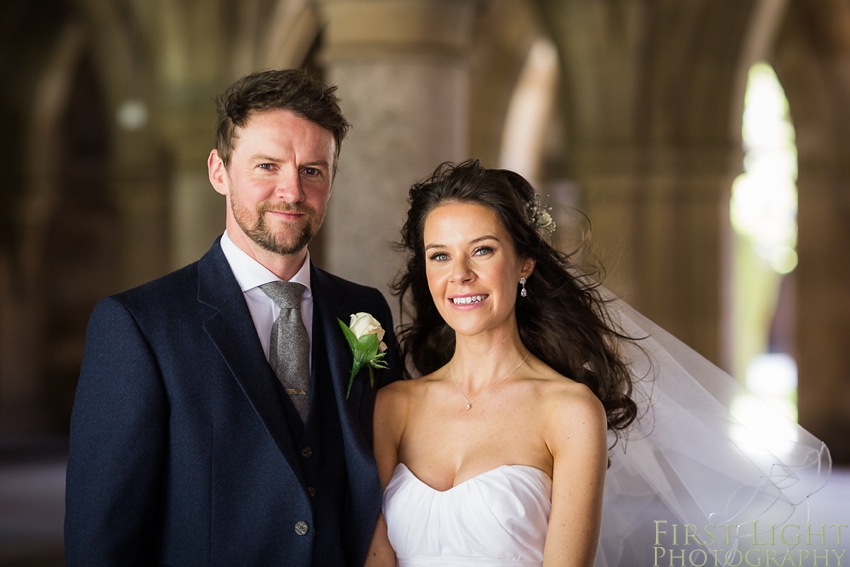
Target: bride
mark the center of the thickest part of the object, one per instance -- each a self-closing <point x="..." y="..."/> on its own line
<point x="497" y="454"/>
<point x="549" y="412"/>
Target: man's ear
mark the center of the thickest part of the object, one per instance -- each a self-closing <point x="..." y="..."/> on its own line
<point x="526" y="267"/>
<point x="217" y="173"/>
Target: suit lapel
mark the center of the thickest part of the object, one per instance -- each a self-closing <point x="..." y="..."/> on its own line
<point x="232" y="330"/>
<point x="329" y="305"/>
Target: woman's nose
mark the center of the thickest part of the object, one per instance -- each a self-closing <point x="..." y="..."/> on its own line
<point x="462" y="271"/>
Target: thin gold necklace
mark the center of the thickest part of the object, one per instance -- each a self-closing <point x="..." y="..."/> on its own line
<point x="470" y="402"/>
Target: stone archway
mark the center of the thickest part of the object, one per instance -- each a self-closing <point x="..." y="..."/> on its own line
<point x="82" y="249"/>
<point x="61" y="262"/>
<point x="647" y="97"/>
<point x="503" y="34"/>
<point x="810" y="59"/>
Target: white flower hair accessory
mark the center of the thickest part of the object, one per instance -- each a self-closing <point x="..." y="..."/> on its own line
<point x="538" y="214"/>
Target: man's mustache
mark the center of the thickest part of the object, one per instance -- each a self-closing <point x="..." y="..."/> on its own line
<point x="286" y="208"/>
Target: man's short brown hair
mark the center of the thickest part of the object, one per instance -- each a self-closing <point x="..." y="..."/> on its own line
<point x="290" y="89"/>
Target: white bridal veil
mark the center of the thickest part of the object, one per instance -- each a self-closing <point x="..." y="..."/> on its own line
<point x="689" y="475"/>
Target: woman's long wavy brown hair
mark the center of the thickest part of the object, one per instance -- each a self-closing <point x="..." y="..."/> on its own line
<point x="563" y="321"/>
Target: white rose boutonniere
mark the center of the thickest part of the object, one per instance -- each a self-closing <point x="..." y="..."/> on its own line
<point x="364" y="335"/>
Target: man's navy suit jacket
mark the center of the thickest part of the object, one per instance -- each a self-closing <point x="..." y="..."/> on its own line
<point x="180" y="450"/>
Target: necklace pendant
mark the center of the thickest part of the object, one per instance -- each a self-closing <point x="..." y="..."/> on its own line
<point x="468" y="401"/>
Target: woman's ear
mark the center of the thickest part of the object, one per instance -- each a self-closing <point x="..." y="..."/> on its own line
<point x="526" y="267"/>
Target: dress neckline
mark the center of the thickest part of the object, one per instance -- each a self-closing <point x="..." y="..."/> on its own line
<point x="533" y="469"/>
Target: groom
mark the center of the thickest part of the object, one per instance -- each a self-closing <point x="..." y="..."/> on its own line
<point x="211" y="424"/>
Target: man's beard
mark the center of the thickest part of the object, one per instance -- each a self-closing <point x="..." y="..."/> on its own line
<point x="284" y="242"/>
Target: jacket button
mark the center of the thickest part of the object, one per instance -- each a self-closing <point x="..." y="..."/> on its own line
<point x="306" y="452"/>
<point x="311" y="491"/>
<point x="301" y="528"/>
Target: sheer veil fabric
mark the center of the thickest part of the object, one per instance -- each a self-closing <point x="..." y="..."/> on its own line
<point x="689" y="473"/>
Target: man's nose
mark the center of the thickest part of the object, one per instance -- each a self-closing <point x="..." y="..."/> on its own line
<point x="288" y="186"/>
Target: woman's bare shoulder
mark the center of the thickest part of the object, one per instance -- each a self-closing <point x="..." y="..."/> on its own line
<point x="406" y="387"/>
<point x="392" y="396"/>
<point x="568" y="402"/>
<point x="394" y="389"/>
<point x="403" y="391"/>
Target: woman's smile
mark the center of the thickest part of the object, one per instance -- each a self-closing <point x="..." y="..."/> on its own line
<point x="468" y="300"/>
<point x="472" y="268"/>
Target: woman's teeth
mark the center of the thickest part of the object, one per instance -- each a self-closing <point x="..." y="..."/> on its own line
<point x="468" y="299"/>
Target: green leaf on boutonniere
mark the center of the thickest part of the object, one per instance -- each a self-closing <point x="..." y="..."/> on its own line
<point x="364" y="350"/>
<point x="349" y="336"/>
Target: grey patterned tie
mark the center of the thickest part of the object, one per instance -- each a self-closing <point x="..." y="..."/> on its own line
<point x="289" y="347"/>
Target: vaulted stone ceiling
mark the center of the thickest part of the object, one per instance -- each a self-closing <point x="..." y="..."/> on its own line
<point x="649" y="122"/>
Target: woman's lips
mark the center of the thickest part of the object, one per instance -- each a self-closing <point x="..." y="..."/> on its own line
<point x="470" y="299"/>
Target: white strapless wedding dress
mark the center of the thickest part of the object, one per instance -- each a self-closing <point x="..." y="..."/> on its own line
<point x="496" y="519"/>
<point x="690" y="458"/>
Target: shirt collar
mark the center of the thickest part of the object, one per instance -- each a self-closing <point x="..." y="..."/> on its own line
<point x="250" y="273"/>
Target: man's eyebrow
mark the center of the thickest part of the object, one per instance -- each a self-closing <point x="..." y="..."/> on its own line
<point x="268" y="158"/>
<point x="264" y="157"/>
<point x="322" y="162"/>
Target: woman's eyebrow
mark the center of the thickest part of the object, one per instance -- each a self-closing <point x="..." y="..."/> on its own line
<point x="473" y="241"/>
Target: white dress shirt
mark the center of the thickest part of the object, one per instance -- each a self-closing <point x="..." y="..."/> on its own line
<point x="264" y="311"/>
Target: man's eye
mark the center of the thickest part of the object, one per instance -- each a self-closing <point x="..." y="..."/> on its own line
<point x="265" y="166"/>
<point x="312" y="171"/>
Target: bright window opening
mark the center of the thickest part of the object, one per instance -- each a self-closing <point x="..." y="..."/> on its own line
<point x="763" y="211"/>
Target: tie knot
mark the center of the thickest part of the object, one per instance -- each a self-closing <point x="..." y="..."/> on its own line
<point x="287" y="295"/>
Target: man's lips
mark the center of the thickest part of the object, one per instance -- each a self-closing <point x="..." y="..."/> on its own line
<point x="287" y="214"/>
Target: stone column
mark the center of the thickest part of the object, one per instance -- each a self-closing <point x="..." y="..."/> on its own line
<point x="23" y="408"/>
<point x="660" y="221"/>
<point x="138" y="186"/>
<point x="823" y="302"/>
<point x="192" y="49"/>
<point x="197" y="211"/>
<point x="403" y="79"/>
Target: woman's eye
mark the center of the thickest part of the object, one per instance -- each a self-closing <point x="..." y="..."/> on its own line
<point x="439" y="257"/>
<point x="482" y="251"/>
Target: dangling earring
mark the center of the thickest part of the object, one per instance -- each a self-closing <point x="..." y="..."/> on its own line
<point x="523" y="292"/>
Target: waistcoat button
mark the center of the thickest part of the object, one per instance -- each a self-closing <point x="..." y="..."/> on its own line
<point x="306" y="452"/>
<point x="301" y="528"/>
